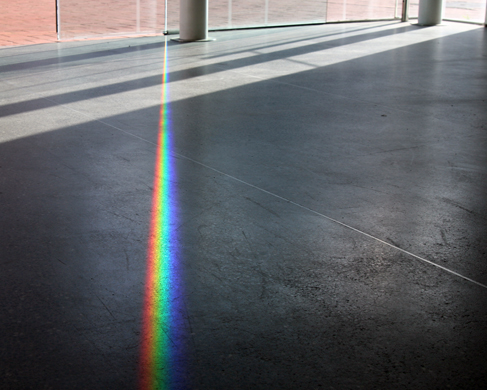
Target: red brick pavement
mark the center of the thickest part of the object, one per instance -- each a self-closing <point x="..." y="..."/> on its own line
<point x="24" y="22"/>
<point x="33" y="21"/>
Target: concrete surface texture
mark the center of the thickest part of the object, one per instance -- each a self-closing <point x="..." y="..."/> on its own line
<point x="327" y="193"/>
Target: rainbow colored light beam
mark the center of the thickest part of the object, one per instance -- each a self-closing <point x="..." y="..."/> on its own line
<point x="159" y="328"/>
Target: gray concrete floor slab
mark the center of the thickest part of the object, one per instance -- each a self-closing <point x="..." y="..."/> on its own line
<point x="329" y="197"/>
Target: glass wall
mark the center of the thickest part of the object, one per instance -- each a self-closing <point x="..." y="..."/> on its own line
<point x="413" y="8"/>
<point x="104" y="18"/>
<point x="465" y="10"/>
<point x="292" y="12"/>
<point x="173" y="14"/>
<point x="225" y="14"/>
<point x="252" y="13"/>
<point x="343" y="10"/>
<point x="461" y="10"/>
<point x="91" y="18"/>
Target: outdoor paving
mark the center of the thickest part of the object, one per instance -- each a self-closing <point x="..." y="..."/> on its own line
<point x="25" y="22"/>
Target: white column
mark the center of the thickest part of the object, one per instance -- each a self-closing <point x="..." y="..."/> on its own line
<point x="193" y="20"/>
<point x="430" y="12"/>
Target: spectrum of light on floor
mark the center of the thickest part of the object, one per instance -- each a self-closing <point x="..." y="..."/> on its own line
<point x="159" y="323"/>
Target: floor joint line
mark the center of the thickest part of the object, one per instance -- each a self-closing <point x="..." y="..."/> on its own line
<point x="285" y="200"/>
<point x="336" y="221"/>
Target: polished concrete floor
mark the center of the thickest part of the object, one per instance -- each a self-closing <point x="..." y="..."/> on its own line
<point x="329" y="199"/>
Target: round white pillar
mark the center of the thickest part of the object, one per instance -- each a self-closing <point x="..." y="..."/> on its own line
<point x="193" y="21"/>
<point x="430" y="12"/>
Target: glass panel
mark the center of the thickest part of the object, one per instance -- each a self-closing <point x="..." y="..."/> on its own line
<point x="413" y="9"/>
<point x="219" y="14"/>
<point x="246" y="13"/>
<point x="91" y="18"/>
<point x="468" y="10"/>
<point x="253" y="13"/>
<point x="224" y="14"/>
<point x="341" y="10"/>
<point x="292" y="12"/>
<point x="173" y="15"/>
